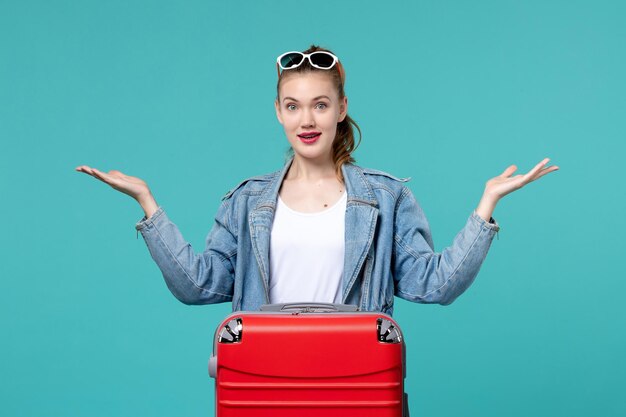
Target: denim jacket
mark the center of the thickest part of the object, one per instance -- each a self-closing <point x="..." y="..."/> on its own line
<point x="388" y="247"/>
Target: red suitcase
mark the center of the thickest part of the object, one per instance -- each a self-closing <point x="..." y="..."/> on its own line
<point x="309" y="360"/>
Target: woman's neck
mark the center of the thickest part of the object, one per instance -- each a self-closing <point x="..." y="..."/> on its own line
<point x="310" y="187"/>
<point x="307" y="170"/>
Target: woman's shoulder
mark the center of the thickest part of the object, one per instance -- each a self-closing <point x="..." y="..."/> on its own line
<point x="380" y="182"/>
<point x="252" y="185"/>
<point x="377" y="174"/>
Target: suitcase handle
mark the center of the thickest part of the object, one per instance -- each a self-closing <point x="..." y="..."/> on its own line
<point x="310" y="307"/>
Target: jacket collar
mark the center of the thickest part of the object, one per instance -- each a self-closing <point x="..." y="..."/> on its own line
<point x="269" y="194"/>
<point x="358" y="188"/>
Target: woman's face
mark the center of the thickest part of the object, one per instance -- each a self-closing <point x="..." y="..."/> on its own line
<point x="309" y="110"/>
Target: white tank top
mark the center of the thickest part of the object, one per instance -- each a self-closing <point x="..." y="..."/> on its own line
<point x="307" y="254"/>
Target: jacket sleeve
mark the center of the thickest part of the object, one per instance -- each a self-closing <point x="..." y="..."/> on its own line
<point x="204" y="278"/>
<point x="423" y="276"/>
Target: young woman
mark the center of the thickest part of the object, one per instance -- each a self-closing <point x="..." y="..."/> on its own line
<point x="321" y="228"/>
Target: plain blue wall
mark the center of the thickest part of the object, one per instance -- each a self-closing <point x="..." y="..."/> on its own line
<point x="180" y="94"/>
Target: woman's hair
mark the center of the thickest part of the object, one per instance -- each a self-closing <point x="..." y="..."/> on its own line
<point x="344" y="143"/>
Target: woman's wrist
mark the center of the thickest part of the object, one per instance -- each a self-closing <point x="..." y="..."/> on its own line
<point x="486" y="206"/>
<point x="148" y="204"/>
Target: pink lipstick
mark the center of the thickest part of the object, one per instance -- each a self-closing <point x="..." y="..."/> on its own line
<point x="309" y="137"/>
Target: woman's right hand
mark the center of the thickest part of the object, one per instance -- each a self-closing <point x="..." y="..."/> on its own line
<point x="133" y="186"/>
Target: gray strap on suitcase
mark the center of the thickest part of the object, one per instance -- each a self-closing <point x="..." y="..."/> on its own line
<point x="310" y="307"/>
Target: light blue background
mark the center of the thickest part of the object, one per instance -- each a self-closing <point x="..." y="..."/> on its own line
<point x="180" y="94"/>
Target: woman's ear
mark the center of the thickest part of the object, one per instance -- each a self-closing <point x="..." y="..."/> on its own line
<point x="278" y="114"/>
<point x="343" y="108"/>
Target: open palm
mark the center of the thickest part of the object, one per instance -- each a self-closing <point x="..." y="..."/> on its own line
<point x="133" y="186"/>
<point x="504" y="183"/>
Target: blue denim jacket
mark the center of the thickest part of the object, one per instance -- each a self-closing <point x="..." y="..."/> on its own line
<point x="388" y="247"/>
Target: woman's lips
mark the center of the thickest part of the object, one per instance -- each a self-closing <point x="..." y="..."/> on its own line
<point x="309" y="137"/>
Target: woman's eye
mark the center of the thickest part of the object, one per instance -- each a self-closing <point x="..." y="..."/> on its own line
<point x="291" y="106"/>
<point x="321" y="105"/>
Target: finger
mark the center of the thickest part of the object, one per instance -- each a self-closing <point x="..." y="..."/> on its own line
<point x="509" y="171"/>
<point x="94" y="172"/>
<point x="119" y="174"/>
<point x="116" y="174"/>
<point x="539" y="166"/>
<point x="531" y="174"/>
<point x="545" y="171"/>
<point x="83" y="168"/>
<point x="103" y="176"/>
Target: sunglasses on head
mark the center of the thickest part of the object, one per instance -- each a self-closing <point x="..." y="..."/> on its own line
<point x="318" y="59"/>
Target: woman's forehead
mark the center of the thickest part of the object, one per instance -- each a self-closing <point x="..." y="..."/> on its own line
<point x="307" y="86"/>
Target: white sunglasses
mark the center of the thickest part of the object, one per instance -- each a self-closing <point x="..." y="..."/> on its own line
<point x="318" y="59"/>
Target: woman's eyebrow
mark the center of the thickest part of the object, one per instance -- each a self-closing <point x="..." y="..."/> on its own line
<point x="315" y="98"/>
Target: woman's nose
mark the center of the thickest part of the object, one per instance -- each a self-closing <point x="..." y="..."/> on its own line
<point x="307" y="118"/>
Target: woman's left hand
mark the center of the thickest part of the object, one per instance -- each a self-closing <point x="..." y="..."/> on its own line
<point x="503" y="184"/>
